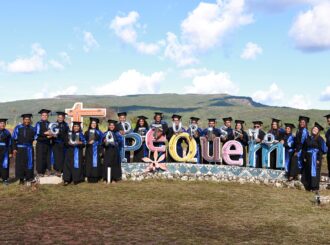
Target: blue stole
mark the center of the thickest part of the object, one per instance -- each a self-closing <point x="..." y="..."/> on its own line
<point x="5" y="159"/>
<point x="313" y="152"/>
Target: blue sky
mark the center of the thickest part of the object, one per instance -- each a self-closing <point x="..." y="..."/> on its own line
<point x="276" y="51"/>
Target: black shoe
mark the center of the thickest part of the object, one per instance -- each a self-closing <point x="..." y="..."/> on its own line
<point x="65" y="183"/>
<point x="21" y="182"/>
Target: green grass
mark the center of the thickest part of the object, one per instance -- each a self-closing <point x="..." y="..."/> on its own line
<point x="161" y="212"/>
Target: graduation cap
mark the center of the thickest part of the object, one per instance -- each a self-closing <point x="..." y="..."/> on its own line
<point x="327" y="116"/>
<point x="212" y="120"/>
<point x="290" y="125"/>
<point x="239" y="121"/>
<point x="112" y="121"/>
<point x="276" y="120"/>
<point x="159" y="114"/>
<point x="4" y="120"/>
<point x="257" y="122"/>
<point x="306" y="119"/>
<point x="176" y="116"/>
<point x="225" y="119"/>
<point x="142" y="117"/>
<point x="122" y="114"/>
<point x="44" y="111"/>
<point x="61" y="113"/>
<point x="194" y="119"/>
<point x="94" y="119"/>
<point x="27" y="115"/>
<point x="76" y="123"/>
<point x="316" y="124"/>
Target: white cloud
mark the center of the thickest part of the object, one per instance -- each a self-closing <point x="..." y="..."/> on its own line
<point x="48" y="93"/>
<point x="300" y="102"/>
<point x="272" y="96"/>
<point x="57" y="65"/>
<point x="34" y="63"/>
<point x="311" y="29"/>
<point x="205" y="27"/>
<point x="125" y="28"/>
<point x="325" y="95"/>
<point x="251" y="51"/>
<point x="181" y="54"/>
<point x="132" y="82"/>
<point x="193" y="72"/>
<point x="212" y="83"/>
<point x="209" y="23"/>
<point x="89" y="42"/>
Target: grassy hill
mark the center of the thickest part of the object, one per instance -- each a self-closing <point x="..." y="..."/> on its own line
<point x="203" y="106"/>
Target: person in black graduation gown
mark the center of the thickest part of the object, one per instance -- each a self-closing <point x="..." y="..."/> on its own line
<point x="175" y="130"/>
<point x="58" y="146"/>
<point x="315" y="149"/>
<point x="159" y="119"/>
<point x="243" y="138"/>
<point x="210" y="133"/>
<point x="327" y="138"/>
<point x="141" y="128"/>
<point x="23" y="137"/>
<point x="278" y="133"/>
<point x="196" y="135"/>
<point x="122" y="118"/>
<point x="43" y="147"/>
<point x="230" y="132"/>
<point x="112" y="152"/>
<point x="257" y="125"/>
<point x="93" y="151"/>
<point x="5" y="151"/>
<point x="228" y="128"/>
<point x="300" y="147"/>
<point x="74" y="158"/>
<point x="289" y="144"/>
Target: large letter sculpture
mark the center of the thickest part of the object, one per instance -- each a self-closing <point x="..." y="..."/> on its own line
<point x="192" y="145"/>
<point x="136" y="145"/>
<point x="216" y="149"/>
<point x="150" y="140"/>
<point x="227" y="152"/>
<point x="269" y="145"/>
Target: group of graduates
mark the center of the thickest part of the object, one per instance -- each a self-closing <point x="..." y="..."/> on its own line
<point x="78" y="155"/>
<point x="63" y="153"/>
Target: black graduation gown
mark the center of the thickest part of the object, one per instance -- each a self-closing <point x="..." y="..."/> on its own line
<point x="112" y="157"/>
<point x="58" y="147"/>
<point x="279" y="135"/>
<point x="23" y="137"/>
<point x="244" y="142"/>
<point x="43" y="148"/>
<point x="315" y="149"/>
<point x="300" y="151"/>
<point x="261" y="136"/>
<point x="73" y="163"/>
<point x="143" y="151"/>
<point x="327" y="137"/>
<point x="230" y="136"/>
<point x="289" y="144"/>
<point x="93" y="154"/>
<point x="5" y="150"/>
